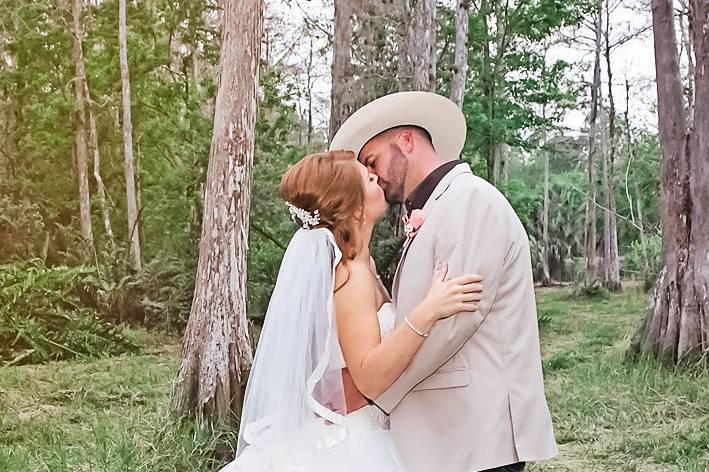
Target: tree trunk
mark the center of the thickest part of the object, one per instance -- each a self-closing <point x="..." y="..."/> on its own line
<point x="488" y="88"/>
<point x="82" y="163"/>
<point x="342" y="42"/>
<point x="100" y="188"/>
<point x="460" y="69"/>
<point x="404" y="41"/>
<point x="133" y="230"/>
<point x="676" y="325"/>
<point x="611" y="260"/>
<point x="424" y="47"/>
<point x="310" y="92"/>
<point x="629" y="144"/>
<point x="502" y="153"/>
<point x="546" y="277"/>
<point x="591" y="271"/>
<point x="688" y="47"/>
<point x="216" y="353"/>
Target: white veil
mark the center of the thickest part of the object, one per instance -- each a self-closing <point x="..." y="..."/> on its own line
<point x="295" y="402"/>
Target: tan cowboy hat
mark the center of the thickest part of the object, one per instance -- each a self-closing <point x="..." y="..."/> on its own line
<point x="436" y="114"/>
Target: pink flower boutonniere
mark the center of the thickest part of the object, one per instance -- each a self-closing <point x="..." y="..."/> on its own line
<point x="413" y="223"/>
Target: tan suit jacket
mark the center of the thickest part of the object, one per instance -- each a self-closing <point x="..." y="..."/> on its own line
<point x="473" y="396"/>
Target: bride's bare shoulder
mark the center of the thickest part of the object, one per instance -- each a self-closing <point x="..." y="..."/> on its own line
<point x="353" y="279"/>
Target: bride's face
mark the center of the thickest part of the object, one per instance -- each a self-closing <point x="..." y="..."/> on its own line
<point x="375" y="205"/>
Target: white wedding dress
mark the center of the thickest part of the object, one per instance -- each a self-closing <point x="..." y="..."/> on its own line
<point x="363" y="445"/>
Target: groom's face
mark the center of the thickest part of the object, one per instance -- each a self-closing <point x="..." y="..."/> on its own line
<point x="383" y="156"/>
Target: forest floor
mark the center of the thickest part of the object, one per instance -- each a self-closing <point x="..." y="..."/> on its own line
<point x="111" y="414"/>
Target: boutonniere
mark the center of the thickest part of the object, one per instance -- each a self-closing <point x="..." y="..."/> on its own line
<point x="413" y="223"/>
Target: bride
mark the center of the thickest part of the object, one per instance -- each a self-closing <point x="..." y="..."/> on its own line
<point x="328" y="342"/>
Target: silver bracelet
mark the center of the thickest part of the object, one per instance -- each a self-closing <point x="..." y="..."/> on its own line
<point x="413" y="328"/>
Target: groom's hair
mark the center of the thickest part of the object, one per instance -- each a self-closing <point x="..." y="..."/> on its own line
<point x="423" y="132"/>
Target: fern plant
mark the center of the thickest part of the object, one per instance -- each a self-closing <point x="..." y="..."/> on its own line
<point x="43" y="317"/>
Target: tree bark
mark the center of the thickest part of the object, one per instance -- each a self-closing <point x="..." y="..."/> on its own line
<point x="611" y="260"/>
<point x="216" y="353"/>
<point x="424" y="47"/>
<point x="591" y="271"/>
<point x="100" y="187"/>
<point x="688" y="47"/>
<point x="629" y="145"/>
<point x="80" y="126"/>
<point x="460" y="68"/>
<point x="546" y="276"/>
<point x="131" y="200"/>
<point x="405" y="40"/>
<point x="676" y="325"/>
<point x="309" y="72"/>
<point x="342" y="42"/>
<point x="502" y="154"/>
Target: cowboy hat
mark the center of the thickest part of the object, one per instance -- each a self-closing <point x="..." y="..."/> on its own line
<point x="436" y="114"/>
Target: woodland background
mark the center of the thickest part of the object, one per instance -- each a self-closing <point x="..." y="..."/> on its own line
<point x="114" y="165"/>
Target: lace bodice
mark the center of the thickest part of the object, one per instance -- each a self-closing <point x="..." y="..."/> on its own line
<point x="387" y="319"/>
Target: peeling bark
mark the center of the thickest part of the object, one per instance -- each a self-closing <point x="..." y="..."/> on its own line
<point x="216" y="352"/>
<point x="676" y="325"/>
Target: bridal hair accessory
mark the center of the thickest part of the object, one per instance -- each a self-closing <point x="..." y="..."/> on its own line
<point x="307" y="219"/>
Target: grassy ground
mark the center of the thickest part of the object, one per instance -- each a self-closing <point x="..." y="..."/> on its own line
<point x="112" y="414"/>
<point x="608" y="415"/>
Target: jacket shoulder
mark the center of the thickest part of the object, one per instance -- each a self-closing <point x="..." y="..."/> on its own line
<point x="468" y="189"/>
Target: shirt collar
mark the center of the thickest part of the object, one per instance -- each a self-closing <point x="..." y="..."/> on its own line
<point x="423" y="191"/>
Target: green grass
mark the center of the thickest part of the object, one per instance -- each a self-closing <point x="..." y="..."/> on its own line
<point x="112" y="414"/>
<point x="105" y="415"/>
<point x="610" y="415"/>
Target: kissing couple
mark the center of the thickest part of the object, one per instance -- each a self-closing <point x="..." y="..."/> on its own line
<point x="443" y="374"/>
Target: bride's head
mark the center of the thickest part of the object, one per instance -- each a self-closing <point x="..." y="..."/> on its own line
<point x="341" y="189"/>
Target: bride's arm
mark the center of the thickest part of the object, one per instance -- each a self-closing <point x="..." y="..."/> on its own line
<point x="375" y="364"/>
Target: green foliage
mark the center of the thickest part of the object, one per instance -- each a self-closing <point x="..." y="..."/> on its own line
<point x="511" y="90"/>
<point x="22" y="234"/>
<point x="592" y="289"/>
<point x="644" y="259"/>
<point x="159" y="296"/>
<point x="270" y="225"/>
<point x="43" y="316"/>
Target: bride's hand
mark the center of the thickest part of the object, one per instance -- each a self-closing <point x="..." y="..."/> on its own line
<point x="450" y="297"/>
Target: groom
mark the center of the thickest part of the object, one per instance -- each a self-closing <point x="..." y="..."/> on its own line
<point x="473" y="397"/>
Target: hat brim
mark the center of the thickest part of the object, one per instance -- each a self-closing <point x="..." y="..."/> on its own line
<point x="436" y="114"/>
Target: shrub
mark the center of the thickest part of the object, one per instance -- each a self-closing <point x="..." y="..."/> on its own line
<point x="43" y="317"/>
<point x="644" y="259"/>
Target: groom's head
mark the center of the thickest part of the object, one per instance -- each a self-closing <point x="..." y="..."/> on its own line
<point x="400" y="157"/>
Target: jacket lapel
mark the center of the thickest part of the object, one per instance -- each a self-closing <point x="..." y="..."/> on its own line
<point x="440" y="189"/>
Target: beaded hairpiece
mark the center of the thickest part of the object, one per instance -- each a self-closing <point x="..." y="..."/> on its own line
<point x="307" y="219"/>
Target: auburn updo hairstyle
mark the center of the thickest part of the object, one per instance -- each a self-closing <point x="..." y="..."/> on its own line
<point x="331" y="183"/>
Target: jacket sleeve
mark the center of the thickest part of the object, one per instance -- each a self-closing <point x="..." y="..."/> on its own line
<point x="475" y="243"/>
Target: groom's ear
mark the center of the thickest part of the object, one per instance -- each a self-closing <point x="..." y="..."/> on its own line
<point x="406" y="140"/>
